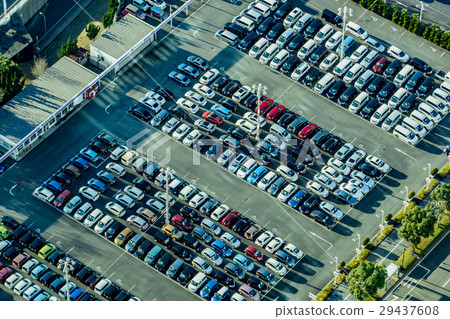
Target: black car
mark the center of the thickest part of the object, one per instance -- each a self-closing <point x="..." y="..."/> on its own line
<point x="414" y="81"/>
<point x="85" y="297"/>
<point x="142" y="184"/>
<point x="229" y="104"/>
<point x="111" y="291"/>
<point x="122" y="296"/>
<point x="320" y="137"/>
<point x="247" y="42"/>
<point x="331" y="17"/>
<point x="9" y="222"/>
<point x="56" y="256"/>
<point x="165" y="93"/>
<point x="201" y="144"/>
<point x="99" y="147"/>
<point x="312" y="75"/>
<point x="37" y="244"/>
<point x="296" y="125"/>
<point x="282" y="11"/>
<point x="303" y="153"/>
<point x="322" y="218"/>
<point x="276" y="186"/>
<point x="369" y="108"/>
<point x="295" y="164"/>
<point x="209" y="206"/>
<point x="164" y="262"/>
<point x="241" y="32"/>
<point x="106" y="177"/>
<point x="275" y="32"/>
<point x="92" y="280"/>
<point x="318" y="54"/>
<point x="83" y="274"/>
<point x="182" y="252"/>
<point x="370" y="170"/>
<point x="332" y="143"/>
<point x="375" y="85"/>
<point x="420" y="65"/>
<point x="265" y="26"/>
<point x="295" y="43"/>
<point x="286" y="118"/>
<point x="141" y="112"/>
<point x="251" y="101"/>
<point x="162" y="238"/>
<point x="313" y="27"/>
<point x="347" y="96"/>
<point x="10" y="253"/>
<point x="114" y="230"/>
<point x="237" y="133"/>
<point x="336" y="89"/>
<point x="387" y="90"/>
<point x="178" y="112"/>
<point x="241" y="225"/>
<point x="192" y="242"/>
<point x="409" y="103"/>
<point x="425" y="87"/>
<point x="257" y="284"/>
<point x="309" y="204"/>
<point x="231" y="87"/>
<point x="26" y="239"/>
<point x="393" y="68"/>
<point x="47" y="278"/>
<point x="62" y="178"/>
<point x="290" y="64"/>
<point x="260" y="157"/>
<point x="143" y="249"/>
<point x="18" y="232"/>
<point x="189" y="214"/>
<point x="186" y="275"/>
<point x="224" y="279"/>
<point x="220" y="82"/>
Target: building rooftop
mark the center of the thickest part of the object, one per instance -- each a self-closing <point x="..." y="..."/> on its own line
<point x="14" y="38"/>
<point x="122" y="36"/>
<point x="42" y="97"/>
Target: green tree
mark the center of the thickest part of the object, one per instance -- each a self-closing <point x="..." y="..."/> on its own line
<point x="437" y="37"/>
<point x="68" y="47"/>
<point x="108" y="18"/>
<point x="427" y="31"/>
<point x="441" y="200"/>
<point x="365" y="280"/>
<point x="11" y="79"/>
<point x="363" y="3"/>
<point x="416" y="27"/>
<point x="445" y="39"/>
<point x="403" y="15"/>
<point x="385" y="9"/>
<point x="412" y="22"/>
<point x="434" y="28"/>
<point x="113" y="4"/>
<point x="92" y="30"/>
<point x="396" y="16"/>
<point x="416" y="223"/>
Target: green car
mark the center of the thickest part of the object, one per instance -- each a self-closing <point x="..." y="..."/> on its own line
<point x="46" y="251"/>
<point x="4" y="232"/>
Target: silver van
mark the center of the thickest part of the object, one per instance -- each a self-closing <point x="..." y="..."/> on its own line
<point x="307" y="49"/>
<point x="324" y="83"/>
<point x="269" y="53"/>
<point x="445" y="86"/>
<point x="398" y="98"/>
<point x="343" y="66"/>
<point x="353" y="73"/>
<point x="422" y="119"/>
<point x="364" y="79"/>
<point x="324" y="33"/>
<point x="380" y="114"/>
<point x="246" y="168"/>
<point x="292" y="17"/>
<point x="285" y="37"/>
<point x="280" y="132"/>
<point x="253" y="15"/>
<point x="405" y="135"/>
<point x="258" y="48"/>
<point x="303" y="23"/>
<point x="403" y="76"/>
<point x="437" y="104"/>
<point x="391" y="120"/>
<point x="370" y="57"/>
<point x="414" y="127"/>
<point x="227" y="37"/>
<point x="430" y="112"/>
<point x="359" y="102"/>
<point x="272" y="4"/>
<point x="441" y="95"/>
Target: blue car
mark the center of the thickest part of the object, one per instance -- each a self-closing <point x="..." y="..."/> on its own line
<point x="54" y="186"/>
<point x="345" y="197"/>
<point x="221" y="248"/>
<point x="222" y="111"/>
<point x="256" y="175"/>
<point x="202" y="234"/>
<point x="181" y="79"/>
<point x="298" y="198"/>
<point x="97" y="185"/>
<point x="244" y="262"/>
<point x="79" y="162"/>
<point x="2" y="169"/>
<point x="89" y="155"/>
<point x="158" y="13"/>
<point x="76" y="293"/>
<point x="153" y="255"/>
<point x="209" y="289"/>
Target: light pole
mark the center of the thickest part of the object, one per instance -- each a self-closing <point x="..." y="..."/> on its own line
<point x="337" y="269"/>
<point x="359" y="242"/>
<point x="258" y="88"/>
<point x="45" y="22"/>
<point x="169" y="172"/>
<point x="406" y="199"/>
<point x="421" y="10"/>
<point x="67" y="265"/>
<point x="343" y="12"/>
<point x="170" y="8"/>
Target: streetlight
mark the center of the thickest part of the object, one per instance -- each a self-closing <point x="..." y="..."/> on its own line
<point x="344" y="13"/>
<point x="67" y="265"/>
<point x="337" y="269"/>
<point x="421" y="10"/>
<point x="359" y="242"/>
<point x="45" y="22"/>
<point x="169" y="172"/>
<point x="258" y="88"/>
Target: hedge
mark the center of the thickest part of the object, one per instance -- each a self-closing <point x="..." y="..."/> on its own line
<point x="398" y="218"/>
<point x="325" y="293"/>
<point x="445" y="170"/>
<point x="427" y="190"/>
<point x="363" y="255"/>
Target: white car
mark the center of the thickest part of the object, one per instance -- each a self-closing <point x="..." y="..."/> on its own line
<point x="375" y="44"/>
<point x="363" y="178"/>
<point x="211" y="256"/>
<point x="155" y="205"/>
<point x="205" y="126"/>
<point x="93" y="218"/>
<point x="287" y="192"/>
<point x="317" y="189"/>
<point x="275" y="266"/>
<point x="344" y="151"/>
<point x="118" y="152"/>
<point x="209" y="76"/>
<point x="276" y="142"/>
<point x="82" y="211"/>
<point x="242" y="93"/>
<point x="156" y="96"/>
<point x="31" y="292"/>
<point x="116" y="169"/>
<point x="220" y="212"/>
<point x="163" y="198"/>
<point x="331" y="210"/>
<point x="196" y="98"/>
<point x="339" y="166"/>
<point x="115" y="209"/>
<point x="125" y="200"/>
<point x="356" y="158"/>
<point x="266" y="180"/>
<point x="398" y="54"/>
<point x="89" y="193"/>
<point x="325" y="181"/>
<point x="359" y="53"/>
<point x="134" y="192"/>
<point x="190" y="106"/>
<point x="192" y="137"/>
<point x="246" y="126"/>
<point x="23" y="285"/>
<point x="332" y="174"/>
<point x="363" y="188"/>
<point x="300" y="71"/>
<point x="170" y="126"/>
<point x="103" y="224"/>
<point x="158" y="3"/>
<point x="181" y="131"/>
<point x="294" y="251"/>
<point x="187" y="192"/>
<point x="13" y="280"/>
<point x="204" y="90"/>
<point x="274" y="245"/>
<point x="287" y="173"/>
<point x="198" y="199"/>
<point x="44" y="194"/>
<point x="328" y="62"/>
<point x="335" y="39"/>
<point x="378" y="163"/>
<point x="253" y="118"/>
<point x="231" y="240"/>
<point x="264" y="238"/>
<point x="226" y="157"/>
<point x="352" y="190"/>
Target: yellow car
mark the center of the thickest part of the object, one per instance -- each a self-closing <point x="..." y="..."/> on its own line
<point x="123" y="236"/>
<point x="46" y="251"/>
<point x="172" y="231"/>
<point x="4" y="232"/>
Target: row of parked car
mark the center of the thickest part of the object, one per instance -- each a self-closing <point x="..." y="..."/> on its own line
<point x="43" y="270"/>
<point x="280" y="54"/>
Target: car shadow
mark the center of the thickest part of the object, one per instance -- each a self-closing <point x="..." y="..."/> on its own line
<point x="308" y="260"/>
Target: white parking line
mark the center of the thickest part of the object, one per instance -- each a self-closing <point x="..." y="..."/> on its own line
<point x="442" y="55"/>
<point x="398" y="150"/>
<point x="445" y="283"/>
<point x="402" y="34"/>
<point x="285" y="238"/>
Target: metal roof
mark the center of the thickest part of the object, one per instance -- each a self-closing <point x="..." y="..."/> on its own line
<point x="42" y="97"/>
<point x="122" y="36"/>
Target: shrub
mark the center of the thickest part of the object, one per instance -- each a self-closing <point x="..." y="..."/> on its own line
<point x="406" y="22"/>
<point x="108" y="18"/>
<point x="39" y="67"/>
<point x="341" y="278"/>
<point x="387" y="230"/>
<point x="434" y="171"/>
<point x="396" y="16"/>
<point x="426" y="32"/>
<point x="325" y="293"/>
<point x="341" y="265"/>
<point x="411" y="195"/>
<point x="445" y="170"/>
<point x="427" y="190"/>
<point x="437" y="38"/>
<point x="68" y="47"/>
<point x="364" y="254"/>
<point x="365" y="241"/>
<point x="388" y="218"/>
<point x="352" y="264"/>
<point x="92" y="30"/>
<point x="385" y="10"/>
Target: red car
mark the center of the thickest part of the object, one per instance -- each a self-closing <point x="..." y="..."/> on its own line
<point x="62" y="198"/>
<point x="182" y="222"/>
<point x="275" y="112"/>
<point x="264" y="106"/>
<point x="212" y="117"/>
<point x="5" y="273"/>
<point x="231" y="217"/>
<point x="254" y="253"/>
<point x="380" y="65"/>
<point x="307" y="131"/>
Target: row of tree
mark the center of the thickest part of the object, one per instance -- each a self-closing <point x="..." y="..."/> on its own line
<point x="11" y="79"/>
<point x="108" y="18"/>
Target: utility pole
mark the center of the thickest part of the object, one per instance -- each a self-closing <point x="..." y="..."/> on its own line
<point x="258" y="88"/>
<point x="421" y="10"/>
<point x="169" y="172"/>
<point x="171" y="20"/>
<point x="67" y="265"/>
<point x="343" y="13"/>
<point x="45" y="23"/>
<point x="337" y="269"/>
<point x="429" y="175"/>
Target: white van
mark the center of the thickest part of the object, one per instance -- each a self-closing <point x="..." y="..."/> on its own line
<point x="258" y="48"/>
<point x="422" y="119"/>
<point x="324" y="83"/>
<point x="279" y="59"/>
<point x="324" y="33"/>
<point x="403" y="76"/>
<point x="437" y="104"/>
<point x="260" y="8"/>
<point x="302" y="23"/>
<point x="272" y="4"/>
<point x="281" y="132"/>
<point x="414" y="127"/>
<point x="245" y="170"/>
<point x="441" y="95"/>
<point x="253" y="15"/>
<point x="353" y="73"/>
<point x="370" y="57"/>
<point x="245" y="22"/>
<point x="445" y="86"/>
<point x="380" y="114"/>
<point x="359" y="102"/>
<point x="269" y="53"/>
<point x="343" y="66"/>
<point x="398" y="98"/>
<point x="285" y="37"/>
<point x="356" y="30"/>
<point x="307" y="49"/>
<point x="226" y="36"/>
<point x="429" y="112"/>
<point x="128" y="158"/>
<point x="359" y="53"/>
<point x="334" y="40"/>
<point x="198" y="281"/>
<point x="405" y="135"/>
<point x="292" y="17"/>
<point x="391" y="120"/>
<point x="364" y="79"/>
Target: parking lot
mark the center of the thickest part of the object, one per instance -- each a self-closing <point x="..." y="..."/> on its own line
<point x="197" y="37"/>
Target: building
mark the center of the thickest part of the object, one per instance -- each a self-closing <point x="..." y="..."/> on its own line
<point x="118" y="39"/>
<point x="34" y="113"/>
